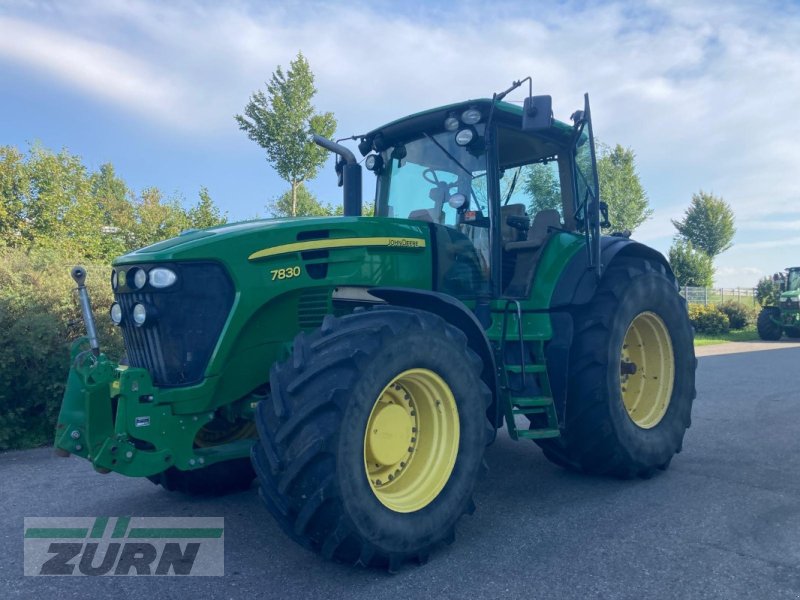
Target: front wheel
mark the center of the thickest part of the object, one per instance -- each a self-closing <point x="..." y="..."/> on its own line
<point x="631" y="375"/>
<point x="374" y="436"/>
<point x="767" y="324"/>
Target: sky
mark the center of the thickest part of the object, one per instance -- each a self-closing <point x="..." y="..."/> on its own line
<point x="705" y="93"/>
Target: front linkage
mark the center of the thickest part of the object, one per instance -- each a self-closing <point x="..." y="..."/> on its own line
<point x="111" y="415"/>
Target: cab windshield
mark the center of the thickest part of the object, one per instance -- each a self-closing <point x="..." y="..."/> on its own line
<point x="422" y="175"/>
<point x="793" y="283"/>
<point x="432" y="178"/>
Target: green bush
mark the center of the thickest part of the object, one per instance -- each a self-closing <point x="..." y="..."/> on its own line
<point x="39" y="318"/>
<point x="739" y="316"/>
<point x="708" y="319"/>
<point x="768" y="290"/>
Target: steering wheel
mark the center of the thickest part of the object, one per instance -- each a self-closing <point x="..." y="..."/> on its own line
<point x="430" y="176"/>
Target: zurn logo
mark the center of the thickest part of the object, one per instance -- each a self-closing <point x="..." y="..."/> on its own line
<point x="94" y="546"/>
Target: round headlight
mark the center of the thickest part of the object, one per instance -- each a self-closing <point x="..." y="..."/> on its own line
<point x="457" y="200"/>
<point x="138" y="278"/>
<point x="464" y="137"/>
<point x="451" y="123"/>
<point x="114" y="279"/>
<point x="139" y="314"/>
<point x="161" y="277"/>
<point x="471" y="116"/>
<point x="116" y="313"/>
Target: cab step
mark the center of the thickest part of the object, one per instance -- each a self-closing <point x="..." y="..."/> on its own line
<point x="532" y="405"/>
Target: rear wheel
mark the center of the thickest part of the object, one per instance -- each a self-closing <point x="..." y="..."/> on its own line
<point x="374" y="436"/>
<point x="219" y="478"/>
<point x="767" y="326"/>
<point x="631" y="382"/>
<point x="792" y="332"/>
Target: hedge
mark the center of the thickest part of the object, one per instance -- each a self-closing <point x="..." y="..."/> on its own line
<point x="39" y="318"/>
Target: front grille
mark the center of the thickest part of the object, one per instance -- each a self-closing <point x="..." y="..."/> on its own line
<point x="183" y="325"/>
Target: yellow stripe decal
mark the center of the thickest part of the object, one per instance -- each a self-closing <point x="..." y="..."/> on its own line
<point x="329" y="243"/>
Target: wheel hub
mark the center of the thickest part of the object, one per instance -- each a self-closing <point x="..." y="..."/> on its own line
<point x="390" y="434"/>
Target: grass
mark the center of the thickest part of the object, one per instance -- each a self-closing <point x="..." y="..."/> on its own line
<point x="748" y="334"/>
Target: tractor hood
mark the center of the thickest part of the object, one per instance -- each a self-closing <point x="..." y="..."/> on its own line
<point x="793" y="295"/>
<point x="240" y="241"/>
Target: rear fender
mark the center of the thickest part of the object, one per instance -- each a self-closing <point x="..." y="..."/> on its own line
<point x="578" y="282"/>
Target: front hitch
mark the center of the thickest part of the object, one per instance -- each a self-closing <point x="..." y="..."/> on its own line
<point x="79" y="275"/>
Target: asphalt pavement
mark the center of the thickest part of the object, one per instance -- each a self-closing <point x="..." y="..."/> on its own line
<point x="722" y="522"/>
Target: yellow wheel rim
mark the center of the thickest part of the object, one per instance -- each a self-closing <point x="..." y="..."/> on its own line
<point x="647" y="370"/>
<point x="411" y="441"/>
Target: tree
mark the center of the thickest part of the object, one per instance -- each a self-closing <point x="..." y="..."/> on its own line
<point x="280" y="121"/>
<point x="691" y="266"/>
<point x="621" y="189"/>
<point x="14" y="191"/>
<point x="157" y="219"/>
<point x="708" y="224"/>
<point x="542" y="184"/>
<point x="300" y="204"/>
<point x="205" y="213"/>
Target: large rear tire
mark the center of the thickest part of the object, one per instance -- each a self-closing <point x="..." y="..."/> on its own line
<point x="219" y="478"/>
<point x="792" y="332"/>
<point x="767" y="328"/>
<point x="214" y="480"/>
<point x="374" y="436"/>
<point x="631" y="376"/>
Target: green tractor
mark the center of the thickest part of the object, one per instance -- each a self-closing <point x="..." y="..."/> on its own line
<point x="358" y="366"/>
<point x="774" y="321"/>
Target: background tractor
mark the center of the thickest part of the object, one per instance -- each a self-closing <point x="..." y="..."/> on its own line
<point x="774" y="321"/>
<point x="365" y="363"/>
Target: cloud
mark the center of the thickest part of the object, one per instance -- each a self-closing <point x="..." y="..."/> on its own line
<point x="704" y="93"/>
<point x="96" y="68"/>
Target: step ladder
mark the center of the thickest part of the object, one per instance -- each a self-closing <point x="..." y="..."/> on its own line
<point x="514" y="400"/>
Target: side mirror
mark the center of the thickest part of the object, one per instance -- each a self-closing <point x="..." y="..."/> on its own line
<point x="537" y="113"/>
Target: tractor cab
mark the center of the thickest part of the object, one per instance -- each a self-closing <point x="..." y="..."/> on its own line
<point x="793" y="279"/>
<point x="493" y="187"/>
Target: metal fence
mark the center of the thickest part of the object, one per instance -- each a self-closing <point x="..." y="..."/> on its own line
<point x="701" y="295"/>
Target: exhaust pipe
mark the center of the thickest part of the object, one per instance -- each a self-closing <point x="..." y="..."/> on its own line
<point x="349" y="174"/>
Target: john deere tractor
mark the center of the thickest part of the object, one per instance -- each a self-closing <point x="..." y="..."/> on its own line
<point x="364" y="363"/>
<point x="784" y="317"/>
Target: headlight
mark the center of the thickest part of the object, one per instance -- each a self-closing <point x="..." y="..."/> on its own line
<point x="451" y="123"/>
<point x="457" y="200"/>
<point x="464" y="137"/>
<point x="374" y="162"/>
<point x="471" y="116"/>
<point x="116" y="313"/>
<point x="139" y="314"/>
<point x="114" y="279"/>
<point x="161" y="277"/>
<point x="137" y="278"/>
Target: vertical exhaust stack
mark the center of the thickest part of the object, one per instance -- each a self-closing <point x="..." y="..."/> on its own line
<point x="349" y="175"/>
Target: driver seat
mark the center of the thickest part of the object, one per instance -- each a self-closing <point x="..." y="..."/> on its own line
<point x="539" y="231"/>
<point x="529" y="251"/>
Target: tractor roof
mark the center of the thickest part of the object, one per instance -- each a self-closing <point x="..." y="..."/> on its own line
<point x="431" y="119"/>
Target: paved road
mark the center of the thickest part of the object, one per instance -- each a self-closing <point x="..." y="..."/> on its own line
<point x="722" y="522"/>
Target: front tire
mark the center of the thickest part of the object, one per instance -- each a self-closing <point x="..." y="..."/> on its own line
<point x="768" y="329"/>
<point x="631" y="376"/>
<point x="374" y="436"/>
